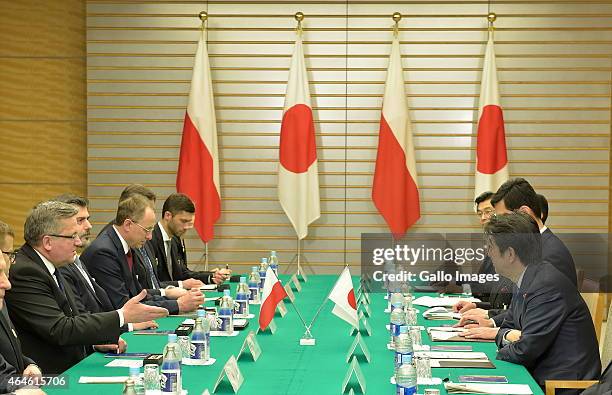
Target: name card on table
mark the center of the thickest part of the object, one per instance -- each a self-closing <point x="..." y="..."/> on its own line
<point x="282" y="309"/>
<point x="250" y="343"/>
<point x="271" y="327"/>
<point x="364" y="326"/>
<point x="303" y="275"/>
<point x="364" y="298"/>
<point x="290" y="293"/>
<point x="296" y="283"/>
<point x="233" y="374"/>
<point x="362" y="346"/>
<point x="354" y="371"/>
<point x="365" y="308"/>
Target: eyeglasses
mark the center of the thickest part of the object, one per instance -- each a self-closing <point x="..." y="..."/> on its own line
<point x="147" y="230"/>
<point x="74" y="236"/>
<point x="487" y="213"/>
<point x="12" y="256"/>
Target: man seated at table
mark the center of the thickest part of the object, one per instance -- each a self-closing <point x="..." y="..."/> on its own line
<point x="178" y="214"/>
<point x="42" y="306"/>
<point x="12" y="361"/>
<point x="110" y="259"/>
<point x="548" y="327"/>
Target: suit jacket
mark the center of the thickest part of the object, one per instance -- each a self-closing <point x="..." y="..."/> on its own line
<point x="144" y="278"/>
<point x="495" y="296"/>
<point x="12" y="360"/>
<point x="605" y="384"/>
<point x="105" y="259"/>
<point x="87" y="300"/>
<point x="180" y="271"/>
<point x="557" y="254"/>
<point x="50" y="327"/>
<point x="558" y="337"/>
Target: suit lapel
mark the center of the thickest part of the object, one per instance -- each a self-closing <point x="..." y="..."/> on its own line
<point x="128" y="276"/>
<point x="12" y="336"/>
<point x="158" y="240"/>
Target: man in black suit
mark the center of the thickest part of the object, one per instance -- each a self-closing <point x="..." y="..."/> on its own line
<point x="178" y="213"/>
<point x="90" y="297"/>
<point x="42" y="306"/>
<point x="12" y="361"/>
<point x="112" y="262"/>
<point x="548" y="328"/>
<point x="146" y="269"/>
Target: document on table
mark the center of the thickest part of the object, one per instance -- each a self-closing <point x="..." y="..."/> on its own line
<point x="509" y="389"/>
<point x="446" y="301"/>
<point x="102" y="380"/>
<point x="208" y="287"/>
<point x="124" y="363"/>
<point x="451" y="354"/>
<point x="441" y="313"/>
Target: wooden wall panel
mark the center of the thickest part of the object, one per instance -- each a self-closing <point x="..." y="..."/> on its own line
<point x="42" y="104"/>
<point x="554" y="62"/>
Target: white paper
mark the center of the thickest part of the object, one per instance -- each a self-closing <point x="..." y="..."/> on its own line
<point x="447" y="301"/>
<point x="124" y="363"/>
<point x="102" y="380"/>
<point x="511" y="389"/>
<point x="223" y="334"/>
<point x="208" y="287"/>
<point x="198" y="362"/>
<point x="240" y="321"/>
<point x="211" y="299"/>
<point x="441" y="336"/>
<point x="189" y="321"/>
<point x="239" y="316"/>
<point x="423" y="381"/>
<point x="435" y="363"/>
<point x="445" y="329"/>
<point x="451" y="354"/>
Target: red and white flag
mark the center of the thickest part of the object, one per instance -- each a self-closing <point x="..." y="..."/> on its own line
<point x="491" y="157"/>
<point x="198" y="169"/>
<point x="343" y="296"/>
<point x="395" y="189"/>
<point x="273" y="292"/>
<point x="298" y="175"/>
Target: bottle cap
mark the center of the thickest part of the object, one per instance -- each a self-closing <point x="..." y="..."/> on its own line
<point x="264" y="260"/>
<point x="242" y="279"/>
<point x="273" y="253"/>
<point x="254" y="268"/>
<point x="134" y="371"/>
<point x="226" y="292"/>
<point x="201" y="313"/>
<point x="172" y="337"/>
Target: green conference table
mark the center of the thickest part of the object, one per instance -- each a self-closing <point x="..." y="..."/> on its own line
<point x="284" y="366"/>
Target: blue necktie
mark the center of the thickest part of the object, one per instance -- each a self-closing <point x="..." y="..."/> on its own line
<point x="149" y="267"/>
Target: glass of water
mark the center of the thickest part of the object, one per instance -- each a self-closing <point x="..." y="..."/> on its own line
<point x="415" y="335"/>
<point x="151" y="377"/>
<point x="423" y="367"/>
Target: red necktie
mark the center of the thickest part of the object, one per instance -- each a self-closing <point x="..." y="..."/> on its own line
<point x="130" y="260"/>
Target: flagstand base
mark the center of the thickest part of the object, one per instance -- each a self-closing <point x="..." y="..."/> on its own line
<point x="307" y="339"/>
<point x="300" y="259"/>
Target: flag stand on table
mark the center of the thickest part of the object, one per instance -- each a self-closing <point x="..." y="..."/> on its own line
<point x="198" y="169"/>
<point x="298" y="175"/>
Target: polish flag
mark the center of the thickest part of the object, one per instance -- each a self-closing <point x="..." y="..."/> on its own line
<point x="198" y="169"/>
<point x="394" y="190"/>
<point x="343" y="296"/>
<point x="491" y="158"/>
<point x="298" y="175"/>
<point x="273" y="292"/>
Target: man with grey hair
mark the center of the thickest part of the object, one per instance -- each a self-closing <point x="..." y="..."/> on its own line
<point x="42" y="306"/>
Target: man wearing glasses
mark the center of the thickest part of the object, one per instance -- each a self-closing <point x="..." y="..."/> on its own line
<point x="42" y="306"/>
<point x="112" y="262"/>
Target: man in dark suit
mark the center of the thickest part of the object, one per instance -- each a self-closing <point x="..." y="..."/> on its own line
<point x="548" y="328"/>
<point x="42" y="306"/>
<point x="145" y="256"/>
<point x="12" y="361"/>
<point x="178" y="213"/>
<point x="112" y="262"/>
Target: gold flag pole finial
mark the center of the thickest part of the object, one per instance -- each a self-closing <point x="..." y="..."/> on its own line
<point x="299" y="17"/>
<point x="492" y="17"/>
<point x="396" y="18"/>
<point x="203" y="15"/>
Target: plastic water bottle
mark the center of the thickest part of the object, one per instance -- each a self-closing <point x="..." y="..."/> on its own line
<point x="403" y="349"/>
<point x="406" y="380"/>
<point x="171" y="371"/>
<point x="254" y="285"/>
<point x="273" y="262"/>
<point x="137" y="380"/>
<point x="263" y="267"/>
<point x="242" y="298"/>
<point x="129" y="387"/>
<point x="397" y="300"/>
<point x="200" y="338"/>
<point x="172" y="339"/>
<point x="226" y="312"/>
<point x="396" y="321"/>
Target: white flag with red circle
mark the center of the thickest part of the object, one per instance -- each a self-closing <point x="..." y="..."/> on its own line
<point x="343" y="295"/>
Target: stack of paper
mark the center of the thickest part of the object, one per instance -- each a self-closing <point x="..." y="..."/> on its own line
<point x="441" y="313"/>
<point x="447" y="301"/>
<point x="509" y="389"/>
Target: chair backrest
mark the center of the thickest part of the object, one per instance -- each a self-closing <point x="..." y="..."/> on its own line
<point x="579" y="278"/>
<point x="606" y="350"/>
<point x="596" y="302"/>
